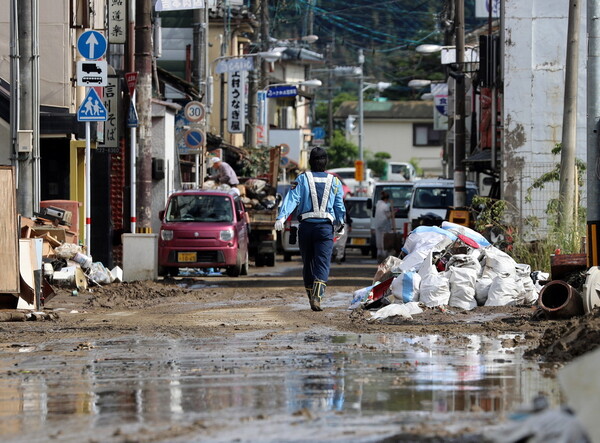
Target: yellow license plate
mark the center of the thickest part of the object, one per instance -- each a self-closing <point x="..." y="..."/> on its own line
<point x="186" y="257"/>
<point x="358" y="241"/>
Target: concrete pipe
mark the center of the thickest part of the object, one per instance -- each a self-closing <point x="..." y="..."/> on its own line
<point x="560" y="300"/>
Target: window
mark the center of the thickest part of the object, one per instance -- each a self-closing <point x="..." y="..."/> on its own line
<point x="424" y="135"/>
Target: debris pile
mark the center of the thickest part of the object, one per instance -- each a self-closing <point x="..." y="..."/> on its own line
<point x="451" y="265"/>
<point x="63" y="261"/>
<point x="255" y="193"/>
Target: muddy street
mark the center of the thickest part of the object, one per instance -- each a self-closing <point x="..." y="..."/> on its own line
<point x="214" y="358"/>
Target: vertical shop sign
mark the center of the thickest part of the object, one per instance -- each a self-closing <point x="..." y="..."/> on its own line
<point x="236" y="102"/>
<point x="261" y="120"/>
<point x="117" y="21"/>
<point x="110" y="145"/>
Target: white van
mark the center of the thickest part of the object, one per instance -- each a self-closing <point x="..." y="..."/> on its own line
<point x="347" y="175"/>
<point x="400" y="171"/>
<point x="435" y="196"/>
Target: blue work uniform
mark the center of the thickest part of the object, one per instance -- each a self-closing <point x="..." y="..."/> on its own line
<point x="319" y="199"/>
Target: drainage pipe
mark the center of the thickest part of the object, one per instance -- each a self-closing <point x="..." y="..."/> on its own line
<point x="559" y="300"/>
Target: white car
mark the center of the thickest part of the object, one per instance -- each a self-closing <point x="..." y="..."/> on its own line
<point x="435" y="196"/>
<point x="347" y="175"/>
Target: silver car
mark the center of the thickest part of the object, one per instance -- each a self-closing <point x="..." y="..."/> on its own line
<point x="359" y="235"/>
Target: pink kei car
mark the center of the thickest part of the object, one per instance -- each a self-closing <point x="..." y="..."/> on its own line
<point x="203" y="229"/>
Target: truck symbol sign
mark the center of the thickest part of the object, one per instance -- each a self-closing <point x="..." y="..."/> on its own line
<point x="91" y="67"/>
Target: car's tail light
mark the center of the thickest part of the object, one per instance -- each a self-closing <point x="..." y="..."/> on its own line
<point x="166" y="235"/>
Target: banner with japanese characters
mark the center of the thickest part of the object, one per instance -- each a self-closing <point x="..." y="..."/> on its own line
<point x="440" y="106"/>
<point x="236" y="102"/>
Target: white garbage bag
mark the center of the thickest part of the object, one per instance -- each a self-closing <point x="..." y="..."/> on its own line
<point x="498" y="263"/>
<point x="482" y="289"/>
<point x="405" y="287"/>
<point x="406" y="310"/>
<point x="530" y="294"/>
<point x="462" y="287"/>
<point x="505" y="290"/>
<point x="435" y="288"/>
<point x="426" y="237"/>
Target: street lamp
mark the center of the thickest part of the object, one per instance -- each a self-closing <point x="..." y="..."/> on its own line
<point x="361" y="114"/>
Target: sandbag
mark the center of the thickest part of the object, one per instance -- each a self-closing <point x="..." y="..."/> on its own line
<point x="435" y="288"/>
<point x="405" y="287"/>
<point x="462" y="287"/>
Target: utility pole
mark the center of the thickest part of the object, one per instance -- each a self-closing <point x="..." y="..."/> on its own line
<point x="593" y="128"/>
<point x="253" y="87"/>
<point x="329" y="97"/>
<point x="25" y="160"/>
<point x="568" y="174"/>
<point x="460" y="180"/>
<point x="143" y="64"/>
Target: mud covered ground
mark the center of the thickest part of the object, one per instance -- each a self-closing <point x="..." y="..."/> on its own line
<point x="273" y="300"/>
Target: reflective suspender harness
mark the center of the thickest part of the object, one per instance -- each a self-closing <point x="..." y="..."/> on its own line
<point x="319" y="211"/>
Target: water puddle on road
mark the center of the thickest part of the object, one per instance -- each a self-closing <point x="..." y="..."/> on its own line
<point x="260" y="387"/>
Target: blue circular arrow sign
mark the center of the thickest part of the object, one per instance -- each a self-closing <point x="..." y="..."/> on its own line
<point x="194" y="138"/>
<point x="91" y="45"/>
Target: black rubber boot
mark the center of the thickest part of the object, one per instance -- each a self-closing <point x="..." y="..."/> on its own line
<point x="318" y="291"/>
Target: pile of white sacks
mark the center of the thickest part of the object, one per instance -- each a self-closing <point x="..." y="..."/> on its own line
<point x="451" y="265"/>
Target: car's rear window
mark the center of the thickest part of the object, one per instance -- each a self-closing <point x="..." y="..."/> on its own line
<point x="357" y="209"/>
<point x="199" y="208"/>
<point x="346" y="175"/>
<point x="438" y="197"/>
<point x="400" y="195"/>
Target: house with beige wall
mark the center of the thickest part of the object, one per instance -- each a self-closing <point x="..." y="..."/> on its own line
<point x="404" y="129"/>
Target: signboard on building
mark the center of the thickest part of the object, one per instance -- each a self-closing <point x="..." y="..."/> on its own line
<point x="117" y="21"/>
<point x="282" y="91"/>
<point x="236" y="102"/>
<point x="110" y="145"/>
<point x="234" y="64"/>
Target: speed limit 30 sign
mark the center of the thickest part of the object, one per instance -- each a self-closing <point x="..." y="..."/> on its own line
<point x="194" y="111"/>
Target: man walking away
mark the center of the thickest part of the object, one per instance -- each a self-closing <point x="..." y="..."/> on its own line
<point x="319" y="199"/>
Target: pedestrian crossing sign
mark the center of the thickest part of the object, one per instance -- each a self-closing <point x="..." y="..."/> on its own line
<point x="92" y="109"/>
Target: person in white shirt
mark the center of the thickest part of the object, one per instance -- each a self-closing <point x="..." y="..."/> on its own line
<point x="383" y="223"/>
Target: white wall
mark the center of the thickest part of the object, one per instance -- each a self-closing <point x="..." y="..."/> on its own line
<point x="534" y="71"/>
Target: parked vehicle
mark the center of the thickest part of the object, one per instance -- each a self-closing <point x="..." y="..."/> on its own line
<point x="345" y="187"/>
<point x="359" y="234"/>
<point x="400" y="171"/>
<point x="347" y="174"/>
<point x="203" y="229"/>
<point x="400" y="194"/>
<point x="262" y="216"/>
<point x="435" y="196"/>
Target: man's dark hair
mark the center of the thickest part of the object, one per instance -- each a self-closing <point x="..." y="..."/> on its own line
<point x="384" y="195"/>
<point x="318" y="160"/>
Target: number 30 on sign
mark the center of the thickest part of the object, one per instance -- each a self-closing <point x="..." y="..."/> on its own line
<point x="194" y="111"/>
